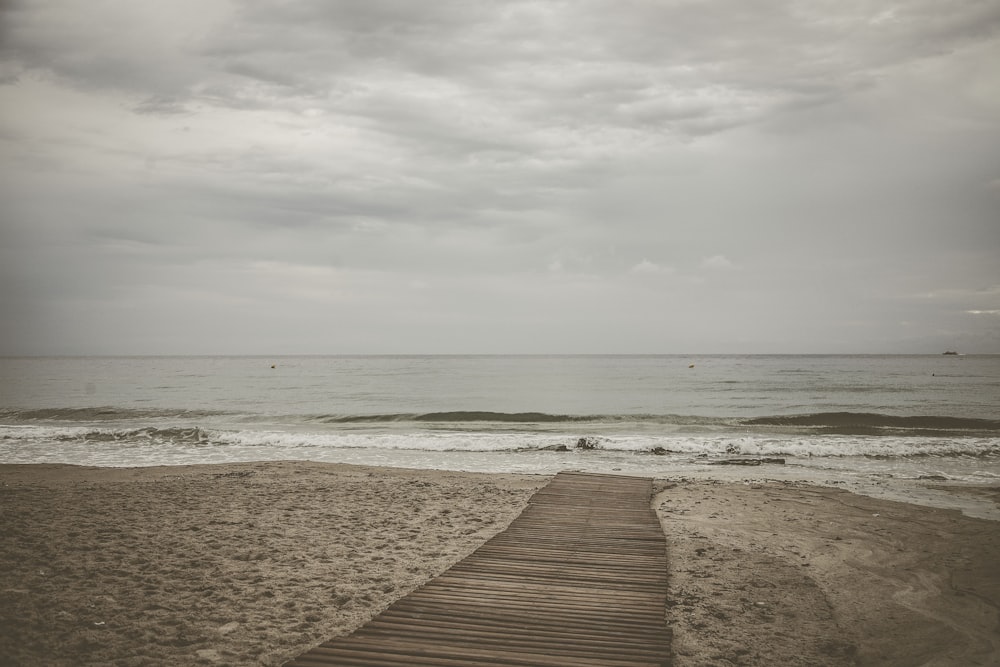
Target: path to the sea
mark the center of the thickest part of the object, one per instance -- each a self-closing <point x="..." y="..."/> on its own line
<point x="579" y="578"/>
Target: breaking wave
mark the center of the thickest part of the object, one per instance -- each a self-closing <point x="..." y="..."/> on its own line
<point x="527" y="418"/>
<point x="100" y="414"/>
<point x="868" y="423"/>
<point x="832" y="423"/>
<point x="278" y="442"/>
<point x="113" y="436"/>
<point x="844" y="423"/>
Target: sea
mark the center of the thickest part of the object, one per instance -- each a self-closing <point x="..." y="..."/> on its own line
<point x="903" y="427"/>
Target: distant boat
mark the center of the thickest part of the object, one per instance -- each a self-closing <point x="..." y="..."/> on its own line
<point x="950" y="353"/>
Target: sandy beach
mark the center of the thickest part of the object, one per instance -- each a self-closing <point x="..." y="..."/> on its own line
<point x="251" y="564"/>
<point x="782" y="573"/>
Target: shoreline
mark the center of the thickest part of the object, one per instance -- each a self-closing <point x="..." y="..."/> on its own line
<point x="253" y="563"/>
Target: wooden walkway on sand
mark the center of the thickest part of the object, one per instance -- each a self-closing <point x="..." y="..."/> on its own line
<point x="578" y="579"/>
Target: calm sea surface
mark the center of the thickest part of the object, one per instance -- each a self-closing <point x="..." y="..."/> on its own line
<point x="873" y="423"/>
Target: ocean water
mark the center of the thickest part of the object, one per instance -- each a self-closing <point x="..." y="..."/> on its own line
<point x="893" y="426"/>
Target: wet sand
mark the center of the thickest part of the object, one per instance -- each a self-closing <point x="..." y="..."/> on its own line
<point x="251" y="564"/>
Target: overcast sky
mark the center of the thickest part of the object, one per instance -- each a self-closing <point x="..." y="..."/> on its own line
<point x="378" y="176"/>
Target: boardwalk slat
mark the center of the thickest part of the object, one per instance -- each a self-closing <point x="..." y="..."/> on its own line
<point x="581" y="600"/>
<point x="566" y="648"/>
<point x="577" y="580"/>
<point x="583" y="638"/>
<point x="565" y="620"/>
<point x="515" y="624"/>
<point x="528" y="615"/>
<point x="554" y="602"/>
<point x="473" y="656"/>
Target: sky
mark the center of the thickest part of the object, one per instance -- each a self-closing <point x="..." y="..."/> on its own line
<point x="463" y="176"/>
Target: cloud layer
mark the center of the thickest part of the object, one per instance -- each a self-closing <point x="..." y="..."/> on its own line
<point x="390" y="176"/>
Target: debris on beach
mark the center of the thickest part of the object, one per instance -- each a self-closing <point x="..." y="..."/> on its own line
<point x="746" y="462"/>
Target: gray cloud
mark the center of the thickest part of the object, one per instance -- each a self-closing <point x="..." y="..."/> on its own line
<point x="504" y="177"/>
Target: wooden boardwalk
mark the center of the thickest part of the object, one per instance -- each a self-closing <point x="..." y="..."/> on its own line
<point x="578" y="579"/>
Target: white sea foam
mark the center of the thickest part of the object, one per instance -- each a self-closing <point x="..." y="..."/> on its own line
<point x="881" y="466"/>
<point x="157" y="442"/>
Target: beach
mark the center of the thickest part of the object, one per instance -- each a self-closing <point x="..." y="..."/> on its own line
<point x="789" y="573"/>
<point x="253" y="563"/>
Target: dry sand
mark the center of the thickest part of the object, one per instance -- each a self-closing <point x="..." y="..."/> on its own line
<point x="251" y="564"/>
<point x="245" y="564"/>
<point x="782" y="573"/>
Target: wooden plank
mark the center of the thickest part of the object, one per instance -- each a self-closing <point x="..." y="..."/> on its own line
<point x="516" y="588"/>
<point x="585" y="637"/>
<point x="388" y="649"/>
<point x="578" y="580"/>
<point x="570" y="647"/>
<point x="514" y="625"/>
<point x="491" y="597"/>
<point x="531" y="615"/>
